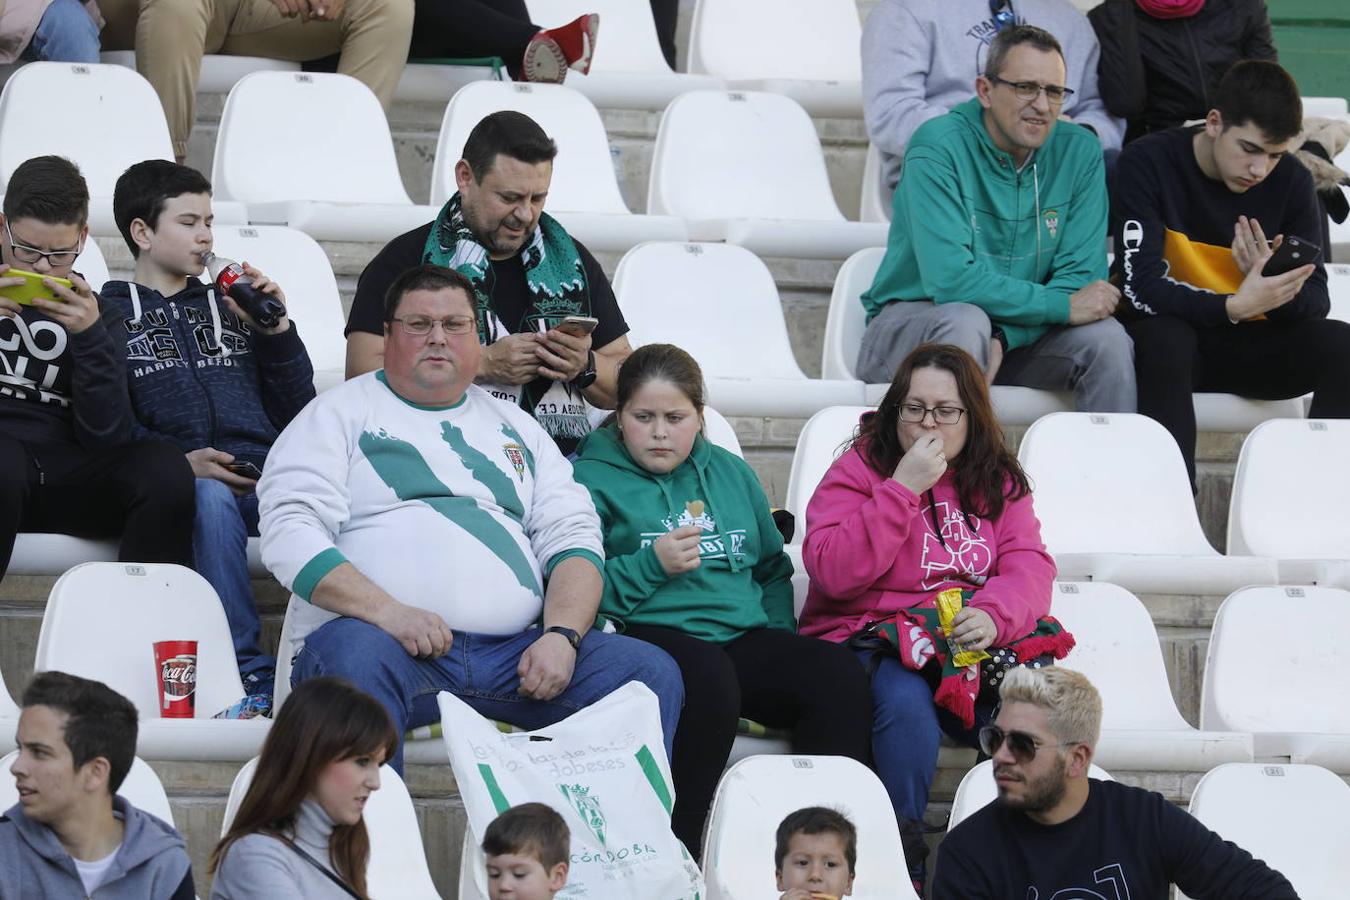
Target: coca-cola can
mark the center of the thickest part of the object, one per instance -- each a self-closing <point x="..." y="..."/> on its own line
<point x="176" y="662"/>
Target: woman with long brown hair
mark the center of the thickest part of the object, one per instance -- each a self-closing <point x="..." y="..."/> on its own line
<point x="299" y="830"/>
<point x="925" y="499"/>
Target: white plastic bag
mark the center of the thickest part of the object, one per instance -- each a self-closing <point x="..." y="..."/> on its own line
<point x="604" y="769"/>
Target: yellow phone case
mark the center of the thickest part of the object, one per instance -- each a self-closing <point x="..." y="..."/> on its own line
<point x="32" y="287"/>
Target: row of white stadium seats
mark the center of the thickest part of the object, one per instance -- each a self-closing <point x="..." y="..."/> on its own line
<point x="102" y="618"/>
<point x="720" y="160"/>
<point x="1115" y="504"/>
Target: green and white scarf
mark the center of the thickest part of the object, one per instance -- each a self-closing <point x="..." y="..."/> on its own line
<point x="557" y="282"/>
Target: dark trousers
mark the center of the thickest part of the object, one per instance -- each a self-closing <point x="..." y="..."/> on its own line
<point x="473" y="28"/>
<point x="1264" y="360"/>
<point x="816" y="689"/>
<point x="142" y="491"/>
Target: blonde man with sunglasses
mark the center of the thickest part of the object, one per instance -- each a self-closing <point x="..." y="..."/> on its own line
<point x="1054" y="832"/>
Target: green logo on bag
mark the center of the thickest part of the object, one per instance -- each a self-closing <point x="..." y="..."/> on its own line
<point x="587" y="807"/>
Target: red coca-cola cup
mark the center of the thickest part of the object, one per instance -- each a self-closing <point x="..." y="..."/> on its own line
<point x="177" y="665"/>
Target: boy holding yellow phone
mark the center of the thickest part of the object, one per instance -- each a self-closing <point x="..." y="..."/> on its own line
<point x="67" y="463"/>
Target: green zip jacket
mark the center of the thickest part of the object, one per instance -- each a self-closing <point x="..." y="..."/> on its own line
<point x="968" y="227"/>
<point x="744" y="580"/>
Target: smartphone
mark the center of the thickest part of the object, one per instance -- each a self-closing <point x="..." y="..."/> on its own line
<point x="32" y="287"/>
<point x="246" y="469"/>
<point x="1292" y="253"/>
<point x="578" y="326"/>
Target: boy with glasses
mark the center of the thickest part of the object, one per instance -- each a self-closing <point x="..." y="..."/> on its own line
<point x="207" y="377"/>
<point x="67" y="463"/>
<point x="1055" y="832"/>
<point x="997" y="241"/>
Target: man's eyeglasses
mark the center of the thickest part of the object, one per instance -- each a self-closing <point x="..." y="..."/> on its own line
<point x="1028" y="91"/>
<point x="422" y="325"/>
<point x="1021" y="745"/>
<point x="943" y="415"/>
<point x="57" y="259"/>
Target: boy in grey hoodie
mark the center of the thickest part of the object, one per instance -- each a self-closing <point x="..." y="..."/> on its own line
<point x="70" y="836"/>
<point x="920" y="59"/>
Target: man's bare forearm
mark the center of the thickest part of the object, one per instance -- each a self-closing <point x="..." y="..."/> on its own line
<point x="573" y="594"/>
<point x="347" y="592"/>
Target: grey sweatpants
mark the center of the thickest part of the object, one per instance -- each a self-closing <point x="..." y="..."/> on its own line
<point x="1095" y="361"/>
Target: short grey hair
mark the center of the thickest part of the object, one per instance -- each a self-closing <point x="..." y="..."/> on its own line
<point x="1014" y="36"/>
<point x="1073" y="704"/>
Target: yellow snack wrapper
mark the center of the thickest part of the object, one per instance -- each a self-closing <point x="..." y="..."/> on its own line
<point x="949" y="603"/>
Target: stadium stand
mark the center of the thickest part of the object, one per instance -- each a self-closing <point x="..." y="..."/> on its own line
<point x="1115" y="505"/>
<point x="1289" y="497"/>
<point x="627" y="70"/>
<point x="219" y="72"/>
<point x="584" y="193"/>
<point x="398" y="862"/>
<point x="9" y="719"/>
<point x="875" y="202"/>
<point x="977" y="790"/>
<point x="142" y="788"/>
<point x="747" y="168"/>
<point x="296" y="262"/>
<point x="101" y="622"/>
<point x="103" y="100"/>
<point x="347" y="190"/>
<point x="804" y="49"/>
<point x="754" y="796"/>
<point x="1290" y="816"/>
<point x="679" y="293"/>
<point x="1117" y="648"/>
<point x="1262" y="658"/>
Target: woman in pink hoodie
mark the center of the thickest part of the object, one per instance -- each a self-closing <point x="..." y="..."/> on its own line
<point x="925" y="498"/>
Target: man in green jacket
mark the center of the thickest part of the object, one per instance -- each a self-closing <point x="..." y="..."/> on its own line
<point x="997" y="241"/>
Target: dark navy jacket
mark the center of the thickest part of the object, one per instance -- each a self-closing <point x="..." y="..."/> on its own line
<point x="201" y="377"/>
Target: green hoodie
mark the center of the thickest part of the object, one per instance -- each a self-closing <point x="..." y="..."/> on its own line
<point x="728" y="594"/>
<point x="969" y="228"/>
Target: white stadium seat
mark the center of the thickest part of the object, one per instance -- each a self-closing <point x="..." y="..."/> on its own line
<point x="718" y="430"/>
<point x="91" y="264"/>
<point x="1291" y="483"/>
<point x="977" y="790"/>
<point x="52" y="554"/>
<point x="747" y="168"/>
<point x="331" y="189"/>
<point x="1290" y="817"/>
<point x="435" y="83"/>
<point x="1338" y="287"/>
<point x="101" y="622"/>
<point x="95" y="103"/>
<point x="296" y="262"/>
<point x="141" y="788"/>
<point x="756" y="794"/>
<point x="1118" y="650"/>
<point x="628" y="70"/>
<point x="1340" y="232"/>
<point x="809" y="50"/>
<point x="688" y="294"/>
<point x="219" y="72"/>
<point x="1325" y="107"/>
<point x="1115" y="505"/>
<point x="1273" y="653"/>
<point x="875" y="203"/>
<point x="821" y="441"/>
<point x="9" y="720"/>
<point x="398" y="862"/>
<point x="584" y="193"/>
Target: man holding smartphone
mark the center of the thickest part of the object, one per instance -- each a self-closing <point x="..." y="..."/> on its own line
<point x="551" y="328"/>
<point x="67" y="461"/>
<point x="1211" y="304"/>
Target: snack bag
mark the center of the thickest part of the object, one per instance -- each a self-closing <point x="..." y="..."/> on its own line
<point x="949" y="603"/>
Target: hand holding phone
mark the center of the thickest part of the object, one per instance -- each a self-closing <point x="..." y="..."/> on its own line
<point x="578" y="326"/>
<point x="32" y="287"/>
<point x="245" y="469"/>
<point x="1289" y="255"/>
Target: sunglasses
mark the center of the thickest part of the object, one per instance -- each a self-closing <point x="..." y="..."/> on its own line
<point x="1021" y="745"/>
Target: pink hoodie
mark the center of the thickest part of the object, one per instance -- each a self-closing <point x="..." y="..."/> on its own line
<point x="871" y="550"/>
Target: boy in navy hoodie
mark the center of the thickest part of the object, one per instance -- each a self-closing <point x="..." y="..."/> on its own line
<point x="205" y="376"/>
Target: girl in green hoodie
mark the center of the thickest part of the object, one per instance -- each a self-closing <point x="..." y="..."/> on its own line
<point x="695" y="565"/>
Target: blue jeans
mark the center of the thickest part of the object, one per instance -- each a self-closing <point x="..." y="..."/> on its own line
<point x="66" y="33"/>
<point x="480" y="669"/>
<point x="906" y="731"/>
<point x="220" y="535"/>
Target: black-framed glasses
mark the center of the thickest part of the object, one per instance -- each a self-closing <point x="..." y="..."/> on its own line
<point x="1028" y="91"/>
<point x="1003" y="13"/>
<point x="915" y="413"/>
<point x="422" y="325"/>
<point x="27" y="255"/>
<point x="1021" y="745"/>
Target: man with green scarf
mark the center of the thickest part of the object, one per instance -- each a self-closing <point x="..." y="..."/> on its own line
<point x="528" y="275"/>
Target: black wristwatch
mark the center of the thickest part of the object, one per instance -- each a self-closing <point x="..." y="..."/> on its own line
<point x="570" y="633"/>
<point x="586" y="377"/>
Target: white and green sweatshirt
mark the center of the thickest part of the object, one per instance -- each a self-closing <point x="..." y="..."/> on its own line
<point x="460" y="510"/>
